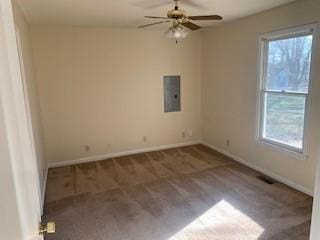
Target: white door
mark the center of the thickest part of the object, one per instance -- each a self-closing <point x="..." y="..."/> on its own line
<point x="17" y="136"/>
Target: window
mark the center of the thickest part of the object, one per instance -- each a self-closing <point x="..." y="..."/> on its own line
<point x="286" y="61"/>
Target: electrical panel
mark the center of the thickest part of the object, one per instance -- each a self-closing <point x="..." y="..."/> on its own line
<point x="172" y="95"/>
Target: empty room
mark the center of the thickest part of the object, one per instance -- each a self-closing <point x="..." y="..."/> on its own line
<point x="160" y="120"/>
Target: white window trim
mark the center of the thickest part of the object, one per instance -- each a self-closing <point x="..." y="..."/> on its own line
<point x="282" y="34"/>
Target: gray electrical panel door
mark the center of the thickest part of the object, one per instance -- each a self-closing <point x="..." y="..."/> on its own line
<point x="172" y="102"/>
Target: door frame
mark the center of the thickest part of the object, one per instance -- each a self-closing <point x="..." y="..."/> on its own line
<point x="14" y="110"/>
<point x="27" y="102"/>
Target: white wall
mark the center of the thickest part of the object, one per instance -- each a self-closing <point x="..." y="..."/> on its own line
<point x="315" y="222"/>
<point x="230" y="78"/>
<point x="104" y="88"/>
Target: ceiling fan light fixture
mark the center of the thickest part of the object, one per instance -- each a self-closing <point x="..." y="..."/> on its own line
<point x="176" y="32"/>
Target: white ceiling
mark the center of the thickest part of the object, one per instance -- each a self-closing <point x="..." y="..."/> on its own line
<point x="129" y="13"/>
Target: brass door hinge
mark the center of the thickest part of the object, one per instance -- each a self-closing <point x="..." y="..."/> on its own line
<point x="50" y="227"/>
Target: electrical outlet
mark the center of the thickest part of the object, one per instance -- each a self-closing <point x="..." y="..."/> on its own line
<point x="87" y="148"/>
<point x="144" y="138"/>
<point x="228" y="143"/>
<point x="183" y="134"/>
<point x="190" y="133"/>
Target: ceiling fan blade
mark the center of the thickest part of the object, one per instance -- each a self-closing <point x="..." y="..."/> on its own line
<point x="206" y="17"/>
<point x="151" y="24"/>
<point x="156" y="17"/>
<point x="191" y="26"/>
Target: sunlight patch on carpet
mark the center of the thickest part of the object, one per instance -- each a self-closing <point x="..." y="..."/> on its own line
<point x="222" y="221"/>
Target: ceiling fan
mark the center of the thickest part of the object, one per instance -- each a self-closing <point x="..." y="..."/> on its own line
<point x="181" y="23"/>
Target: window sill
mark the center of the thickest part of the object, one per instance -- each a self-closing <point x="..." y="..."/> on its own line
<point x="283" y="150"/>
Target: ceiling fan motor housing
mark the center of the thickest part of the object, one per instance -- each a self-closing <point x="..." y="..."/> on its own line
<point x="177" y="14"/>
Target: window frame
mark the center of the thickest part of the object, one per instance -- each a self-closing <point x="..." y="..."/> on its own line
<point x="310" y="29"/>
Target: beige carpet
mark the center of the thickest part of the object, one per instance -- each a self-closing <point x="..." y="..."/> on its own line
<point x="190" y="193"/>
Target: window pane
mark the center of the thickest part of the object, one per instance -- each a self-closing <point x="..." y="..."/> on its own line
<point x="284" y="119"/>
<point x="288" y="66"/>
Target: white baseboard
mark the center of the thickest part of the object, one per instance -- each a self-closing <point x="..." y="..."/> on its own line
<point x="119" y="154"/>
<point x="43" y="194"/>
<point x="260" y="169"/>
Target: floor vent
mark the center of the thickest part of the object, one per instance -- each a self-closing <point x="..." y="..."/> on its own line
<point x="266" y="179"/>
